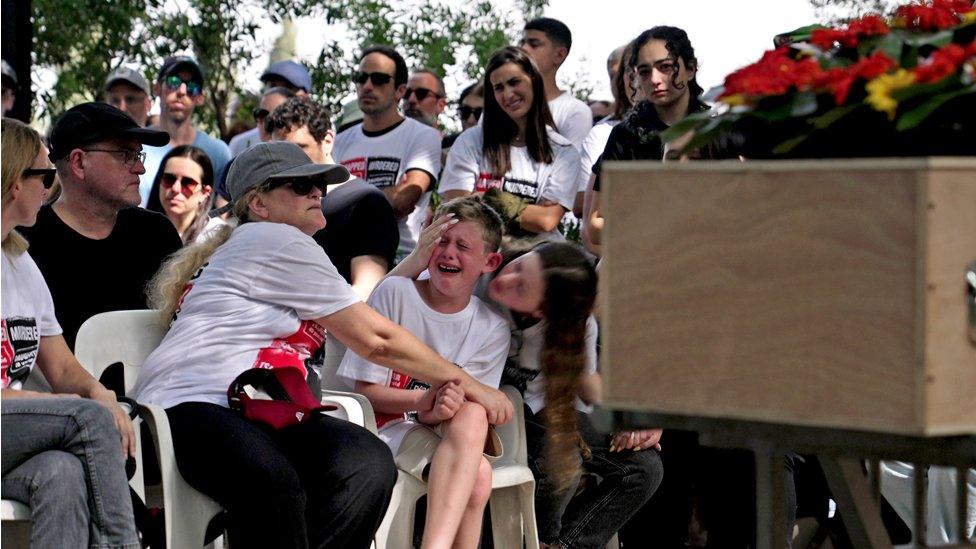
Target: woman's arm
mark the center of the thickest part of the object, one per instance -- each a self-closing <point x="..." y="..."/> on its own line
<point x="390" y="400"/>
<point x="592" y="218"/>
<point x="591" y="389"/>
<point x="542" y="218"/>
<point x="379" y="340"/>
<point x="66" y="375"/>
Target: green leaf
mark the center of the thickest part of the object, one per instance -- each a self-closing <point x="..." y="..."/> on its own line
<point x="683" y="126"/>
<point x="891" y="45"/>
<point x="921" y="89"/>
<point x="794" y="106"/>
<point x="937" y="39"/>
<point x="915" y="116"/>
<point x="709" y="132"/>
<point x="833" y="115"/>
<point x="787" y="146"/>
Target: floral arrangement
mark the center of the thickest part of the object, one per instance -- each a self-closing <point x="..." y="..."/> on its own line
<point x="903" y="85"/>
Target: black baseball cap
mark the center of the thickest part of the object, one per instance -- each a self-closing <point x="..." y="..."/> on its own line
<point x="91" y="122"/>
<point x="175" y="63"/>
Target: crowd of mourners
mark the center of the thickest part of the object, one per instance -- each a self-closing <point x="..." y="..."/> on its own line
<point x="435" y="261"/>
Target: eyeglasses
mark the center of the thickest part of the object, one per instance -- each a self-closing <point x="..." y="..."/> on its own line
<point x="377" y="78"/>
<point x="260" y="114"/>
<point x="47" y="175"/>
<point x="301" y="186"/>
<point x="174" y="82"/>
<point x="422" y="94"/>
<point x="466" y="112"/>
<point x="188" y="185"/>
<point x="129" y="156"/>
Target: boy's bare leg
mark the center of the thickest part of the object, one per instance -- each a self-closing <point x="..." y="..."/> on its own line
<point x="453" y="474"/>
<point x="469" y="532"/>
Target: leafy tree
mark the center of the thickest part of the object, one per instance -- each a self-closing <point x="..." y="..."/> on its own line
<point x="839" y="11"/>
<point x="82" y="41"/>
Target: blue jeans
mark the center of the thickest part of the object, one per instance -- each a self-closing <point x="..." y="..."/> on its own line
<point x="621" y="483"/>
<point x="63" y="458"/>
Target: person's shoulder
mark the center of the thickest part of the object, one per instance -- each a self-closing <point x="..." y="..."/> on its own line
<point x="419" y="129"/>
<point x="349" y="134"/>
<point x="557" y="140"/>
<point x="394" y="286"/>
<point x="495" y="320"/>
<point x="46" y="221"/>
<point x="143" y="218"/>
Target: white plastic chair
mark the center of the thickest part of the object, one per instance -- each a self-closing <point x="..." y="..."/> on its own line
<point x="129" y="337"/>
<point x="512" y="498"/>
<point x="941" y="519"/>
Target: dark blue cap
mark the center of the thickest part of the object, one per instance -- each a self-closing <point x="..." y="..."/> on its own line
<point x="296" y="74"/>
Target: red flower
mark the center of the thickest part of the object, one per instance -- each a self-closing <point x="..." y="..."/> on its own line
<point x="943" y="62"/>
<point x="774" y="74"/>
<point x="937" y="15"/>
<point x="838" y="81"/>
<point x="866" y="27"/>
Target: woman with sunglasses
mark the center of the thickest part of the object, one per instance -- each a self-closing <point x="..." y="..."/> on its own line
<point x="63" y="456"/>
<point x="183" y="190"/>
<point x="525" y="170"/>
<point x="265" y="294"/>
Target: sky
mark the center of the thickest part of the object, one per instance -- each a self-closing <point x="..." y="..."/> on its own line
<point x="726" y="35"/>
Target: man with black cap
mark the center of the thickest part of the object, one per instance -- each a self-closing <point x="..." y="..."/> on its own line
<point x="288" y="75"/>
<point x="179" y="87"/>
<point x="128" y="90"/>
<point x="95" y="249"/>
<point x="9" y="87"/>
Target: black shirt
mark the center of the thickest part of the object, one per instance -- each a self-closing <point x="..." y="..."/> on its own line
<point x="638" y="136"/>
<point x="88" y="276"/>
<point x="359" y="221"/>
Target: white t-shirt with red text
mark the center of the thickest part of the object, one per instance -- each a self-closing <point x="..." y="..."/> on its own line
<point x="26" y="315"/>
<point x="476" y="338"/>
<point x="467" y="170"/>
<point x="253" y="305"/>
<point x="381" y="158"/>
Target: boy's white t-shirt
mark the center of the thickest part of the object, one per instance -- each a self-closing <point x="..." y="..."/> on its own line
<point x="253" y="305"/>
<point x="382" y="159"/>
<point x="523" y="366"/>
<point x="26" y="315"/>
<point x="467" y="170"/>
<point x="476" y="338"/>
<point x="593" y="145"/>
<point x="573" y="118"/>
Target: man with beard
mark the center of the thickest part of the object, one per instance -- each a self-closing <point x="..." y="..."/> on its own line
<point x="398" y="155"/>
<point x="424" y="100"/>
<point x="180" y="89"/>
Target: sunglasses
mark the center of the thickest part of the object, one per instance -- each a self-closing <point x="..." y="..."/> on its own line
<point x="377" y="78"/>
<point x="466" y="112"/>
<point x="301" y="186"/>
<point x="188" y="185"/>
<point x="174" y="82"/>
<point x="260" y="114"/>
<point x="422" y="94"/>
<point x="47" y="175"/>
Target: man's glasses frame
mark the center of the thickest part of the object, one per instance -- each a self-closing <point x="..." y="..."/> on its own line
<point x="377" y="78"/>
<point x="174" y="82"/>
<point x="422" y="93"/>
<point x="129" y="156"/>
<point x="48" y="175"/>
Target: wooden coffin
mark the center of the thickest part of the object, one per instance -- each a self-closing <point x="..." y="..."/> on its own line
<point x="826" y="293"/>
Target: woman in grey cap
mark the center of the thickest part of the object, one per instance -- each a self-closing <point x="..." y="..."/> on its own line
<point x="262" y="295"/>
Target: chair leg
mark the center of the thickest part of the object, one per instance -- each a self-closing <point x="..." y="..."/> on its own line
<point x="396" y="530"/>
<point x="508" y="527"/>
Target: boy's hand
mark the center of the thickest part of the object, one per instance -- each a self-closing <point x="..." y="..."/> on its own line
<point x="416" y="262"/>
<point x="447" y="402"/>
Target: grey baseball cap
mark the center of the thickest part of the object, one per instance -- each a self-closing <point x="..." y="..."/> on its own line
<point x="277" y="160"/>
<point x="130" y="76"/>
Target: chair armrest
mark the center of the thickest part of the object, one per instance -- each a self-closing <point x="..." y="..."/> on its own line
<point x="356" y="407"/>
<point x="513" y="432"/>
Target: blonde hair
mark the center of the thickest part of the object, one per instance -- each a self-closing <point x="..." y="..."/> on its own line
<point x="473" y="208"/>
<point x="167" y="287"/>
<point x="20" y="146"/>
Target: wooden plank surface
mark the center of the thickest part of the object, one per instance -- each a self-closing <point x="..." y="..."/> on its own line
<point x="950" y="358"/>
<point x="766" y="291"/>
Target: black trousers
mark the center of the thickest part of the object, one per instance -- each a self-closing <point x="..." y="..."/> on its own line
<point x="324" y="483"/>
